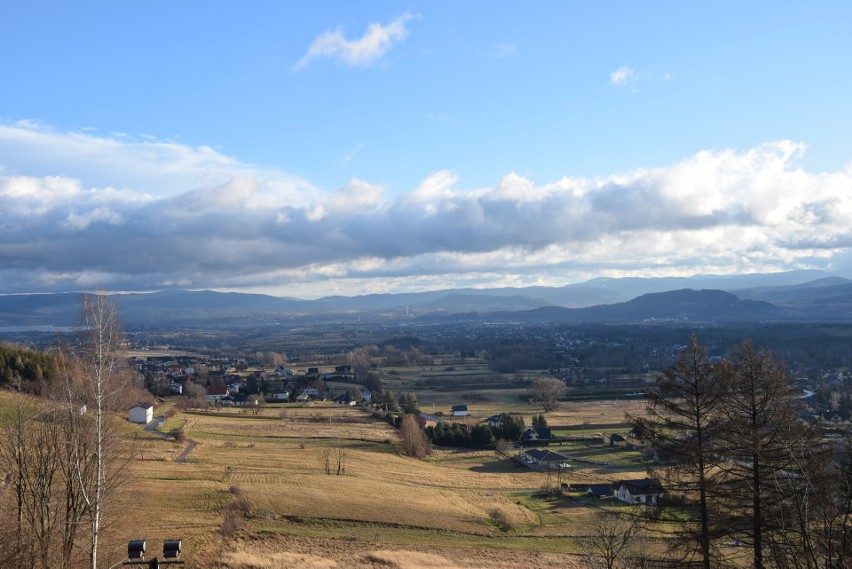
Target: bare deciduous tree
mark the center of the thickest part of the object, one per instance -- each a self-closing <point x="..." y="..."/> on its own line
<point x="255" y="403"/>
<point x="334" y="460"/>
<point x="609" y="540"/>
<point x="548" y="392"/>
<point x="103" y="376"/>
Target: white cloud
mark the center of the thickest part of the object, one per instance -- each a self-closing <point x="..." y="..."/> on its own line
<point x="623" y="76"/>
<point x="208" y="221"/>
<point x="366" y="50"/>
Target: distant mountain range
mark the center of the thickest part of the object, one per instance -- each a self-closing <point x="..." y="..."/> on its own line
<point x="791" y="296"/>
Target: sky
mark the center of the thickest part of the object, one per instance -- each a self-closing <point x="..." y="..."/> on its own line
<point x="318" y="148"/>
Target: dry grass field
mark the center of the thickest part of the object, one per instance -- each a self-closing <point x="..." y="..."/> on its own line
<point x="267" y="474"/>
<point x="456" y="508"/>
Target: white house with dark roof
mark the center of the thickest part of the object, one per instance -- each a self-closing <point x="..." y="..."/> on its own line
<point x="142" y="413"/>
<point x="460" y="411"/>
<point x="641" y="491"/>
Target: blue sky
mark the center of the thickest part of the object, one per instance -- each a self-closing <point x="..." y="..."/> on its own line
<point x="345" y="148"/>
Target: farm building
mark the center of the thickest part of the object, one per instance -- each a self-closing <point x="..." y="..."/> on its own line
<point x="460" y="411"/>
<point x="599" y="491"/>
<point x="142" y="413"/>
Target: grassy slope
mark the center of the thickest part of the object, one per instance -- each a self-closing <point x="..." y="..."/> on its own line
<point x="383" y="502"/>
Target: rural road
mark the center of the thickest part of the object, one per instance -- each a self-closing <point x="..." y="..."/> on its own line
<point x="432" y="418"/>
<point x="152" y="428"/>
<point x="185" y="452"/>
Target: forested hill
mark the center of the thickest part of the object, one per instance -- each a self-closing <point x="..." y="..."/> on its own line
<point x="679" y="305"/>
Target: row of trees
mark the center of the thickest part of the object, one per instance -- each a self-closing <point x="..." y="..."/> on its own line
<point x="453" y="434"/>
<point x="744" y="468"/>
<point x="481" y="435"/>
<point x="62" y="455"/>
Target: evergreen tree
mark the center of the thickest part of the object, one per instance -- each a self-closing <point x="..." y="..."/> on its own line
<point x="408" y="403"/>
<point x="481" y="436"/>
<point x="539" y="421"/>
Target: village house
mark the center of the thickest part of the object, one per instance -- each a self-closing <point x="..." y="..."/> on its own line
<point x="345" y="398"/>
<point x="215" y="394"/>
<point x="235" y="401"/>
<point x="539" y="459"/>
<point x="279" y="396"/>
<point x="460" y="411"/>
<point x="495" y="421"/>
<point x="282" y="371"/>
<point x="534" y="435"/>
<point x="635" y="438"/>
<point x="641" y="491"/>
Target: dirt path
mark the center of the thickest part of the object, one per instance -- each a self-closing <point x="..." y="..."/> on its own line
<point x="185" y="452"/>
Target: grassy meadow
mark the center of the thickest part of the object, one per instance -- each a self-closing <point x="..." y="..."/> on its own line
<point x="454" y="505"/>
<point x="254" y="491"/>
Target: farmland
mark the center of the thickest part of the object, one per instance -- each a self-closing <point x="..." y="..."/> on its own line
<point x="454" y="508"/>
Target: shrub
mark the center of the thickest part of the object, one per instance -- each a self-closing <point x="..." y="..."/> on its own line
<point x="232" y="523"/>
<point x="503" y="446"/>
<point x="503" y="520"/>
<point x="240" y="505"/>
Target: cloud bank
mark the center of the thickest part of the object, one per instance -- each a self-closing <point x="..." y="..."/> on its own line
<point x="181" y="216"/>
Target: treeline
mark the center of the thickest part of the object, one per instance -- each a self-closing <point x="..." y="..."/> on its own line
<point x="481" y="436"/>
<point x="29" y="365"/>
<point x="508" y="358"/>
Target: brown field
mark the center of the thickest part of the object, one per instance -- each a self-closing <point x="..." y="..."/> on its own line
<point x="383" y="510"/>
